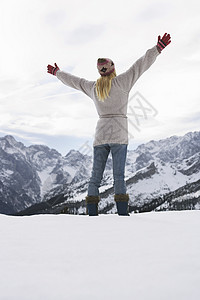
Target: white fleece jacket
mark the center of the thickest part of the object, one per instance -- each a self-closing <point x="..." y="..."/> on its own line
<point x="112" y="126"/>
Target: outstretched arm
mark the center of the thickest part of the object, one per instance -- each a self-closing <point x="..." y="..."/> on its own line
<point x="72" y="81"/>
<point x="127" y="79"/>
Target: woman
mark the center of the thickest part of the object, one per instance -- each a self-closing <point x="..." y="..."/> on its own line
<point x="110" y="95"/>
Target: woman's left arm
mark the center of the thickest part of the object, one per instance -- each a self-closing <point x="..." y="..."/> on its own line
<point x="72" y="81"/>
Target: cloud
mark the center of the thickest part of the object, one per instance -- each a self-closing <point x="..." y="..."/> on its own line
<point x="74" y="34"/>
<point x="192" y="118"/>
<point x="39" y="109"/>
<point x="155" y="11"/>
<point x="85" y="33"/>
<point x="56" y="18"/>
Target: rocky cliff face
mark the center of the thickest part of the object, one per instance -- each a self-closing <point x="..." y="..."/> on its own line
<point x="29" y="174"/>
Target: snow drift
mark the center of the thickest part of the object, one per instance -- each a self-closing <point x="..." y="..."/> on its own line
<point x="152" y="256"/>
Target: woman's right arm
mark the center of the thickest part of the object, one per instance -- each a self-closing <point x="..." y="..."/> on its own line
<point x="128" y="79"/>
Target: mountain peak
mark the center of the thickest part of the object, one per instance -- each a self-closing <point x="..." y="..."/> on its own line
<point x="10" y="141"/>
<point x="73" y="152"/>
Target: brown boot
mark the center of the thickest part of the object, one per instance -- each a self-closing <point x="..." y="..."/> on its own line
<point x="122" y="204"/>
<point x="92" y="205"/>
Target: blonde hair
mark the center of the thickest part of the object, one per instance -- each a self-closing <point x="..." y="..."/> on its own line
<point x="103" y="86"/>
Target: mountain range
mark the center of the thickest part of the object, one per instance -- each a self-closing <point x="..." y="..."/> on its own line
<point x="160" y="175"/>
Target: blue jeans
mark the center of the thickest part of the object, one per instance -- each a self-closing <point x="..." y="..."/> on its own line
<point x="100" y="156"/>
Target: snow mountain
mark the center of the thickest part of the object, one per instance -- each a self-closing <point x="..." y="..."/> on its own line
<point x="160" y="175"/>
<point x="28" y="174"/>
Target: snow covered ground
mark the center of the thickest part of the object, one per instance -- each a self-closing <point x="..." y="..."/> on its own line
<point x="154" y="256"/>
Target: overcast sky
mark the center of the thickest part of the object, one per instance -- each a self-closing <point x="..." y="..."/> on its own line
<point x="35" y="107"/>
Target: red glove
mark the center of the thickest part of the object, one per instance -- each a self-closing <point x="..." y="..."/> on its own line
<point x="52" y="70"/>
<point x="162" y="43"/>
